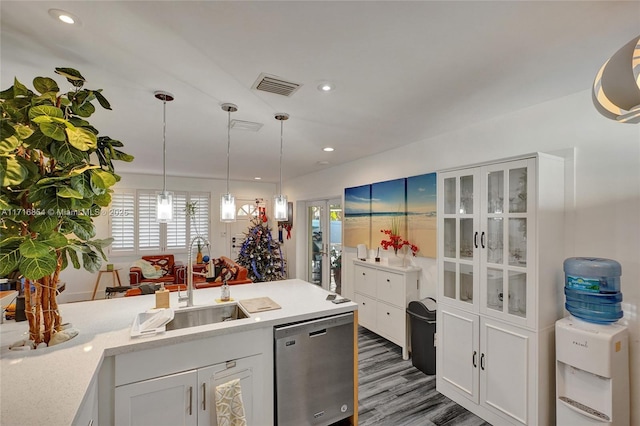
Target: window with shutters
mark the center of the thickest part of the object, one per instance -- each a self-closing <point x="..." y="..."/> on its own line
<point x="122" y="221"/>
<point x="134" y="228"/>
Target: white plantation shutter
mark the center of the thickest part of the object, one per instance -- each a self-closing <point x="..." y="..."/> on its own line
<point x="134" y="228"/>
<point x="177" y="228"/>
<point x="200" y="223"/>
<point x="122" y="221"/>
<point x="148" y="226"/>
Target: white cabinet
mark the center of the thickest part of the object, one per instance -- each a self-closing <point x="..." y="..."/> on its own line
<point x="88" y="413"/>
<point x="168" y="400"/>
<point x="383" y="293"/>
<point x="500" y="253"/>
<point x="248" y="370"/>
<point x="187" y="398"/>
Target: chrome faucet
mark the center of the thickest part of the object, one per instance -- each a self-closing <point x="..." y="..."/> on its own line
<point x="189" y="297"/>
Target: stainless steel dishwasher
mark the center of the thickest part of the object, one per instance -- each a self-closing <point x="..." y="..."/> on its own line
<point x="314" y="371"/>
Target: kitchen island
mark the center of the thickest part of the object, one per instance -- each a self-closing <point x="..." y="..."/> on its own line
<point x="79" y="379"/>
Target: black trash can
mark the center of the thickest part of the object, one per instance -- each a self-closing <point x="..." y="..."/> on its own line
<point x="423" y="330"/>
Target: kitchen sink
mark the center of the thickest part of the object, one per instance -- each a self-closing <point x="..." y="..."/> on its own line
<point x="202" y="315"/>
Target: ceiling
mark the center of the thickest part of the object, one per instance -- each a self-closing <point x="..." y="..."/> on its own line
<point x="403" y="71"/>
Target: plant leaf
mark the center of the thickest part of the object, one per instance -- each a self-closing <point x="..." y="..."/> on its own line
<point x="44" y="223"/>
<point x="82" y="138"/>
<point x="83" y="110"/>
<point x="53" y="130"/>
<point x="102" y="180"/>
<point x="20" y="89"/>
<point x="46" y="110"/>
<point x="37" y="140"/>
<point x="9" y="260"/>
<point x="73" y="76"/>
<point x="9" y="144"/>
<point x="68" y="192"/>
<point x="102" y="100"/>
<point x="73" y="256"/>
<point x="12" y="172"/>
<point x="45" y="84"/>
<point x="37" y="267"/>
<point x="33" y="249"/>
<point x="91" y="262"/>
<point x="56" y="240"/>
<point x="66" y="153"/>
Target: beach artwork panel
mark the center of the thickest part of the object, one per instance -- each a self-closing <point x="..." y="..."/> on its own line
<point x="357" y="216"/>
<point x="388" y="201"/>
<point x="421" y="213"/>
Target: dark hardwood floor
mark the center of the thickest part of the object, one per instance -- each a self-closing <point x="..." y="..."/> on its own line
<point x="392" y="392"/>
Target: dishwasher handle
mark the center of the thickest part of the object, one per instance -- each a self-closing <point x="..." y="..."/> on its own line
<point x="319" y="326"/>
<point x="318" y="333"/>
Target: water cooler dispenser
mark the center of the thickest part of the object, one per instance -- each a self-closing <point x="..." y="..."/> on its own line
<point x="592" y="374"/>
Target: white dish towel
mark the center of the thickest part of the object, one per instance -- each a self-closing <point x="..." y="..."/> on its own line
<point x="229" y="406"/>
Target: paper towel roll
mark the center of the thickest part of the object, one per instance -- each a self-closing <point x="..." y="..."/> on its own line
<point x="362" y="251"/>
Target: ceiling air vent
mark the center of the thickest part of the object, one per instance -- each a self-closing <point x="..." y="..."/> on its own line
<point x="249" y="126"/>
<point x="274" y="84"/>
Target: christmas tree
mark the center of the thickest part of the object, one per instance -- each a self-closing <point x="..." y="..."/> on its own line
<point x="261" y="253"/>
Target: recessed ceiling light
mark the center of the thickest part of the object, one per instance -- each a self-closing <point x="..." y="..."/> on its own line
<point x="64" y="16"/>
<point x="257" y="178"/>
<point x="327" y="149"/>
<point x="326" y="87"/>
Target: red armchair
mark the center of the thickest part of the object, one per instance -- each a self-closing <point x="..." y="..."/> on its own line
<point x="172" y="272"/>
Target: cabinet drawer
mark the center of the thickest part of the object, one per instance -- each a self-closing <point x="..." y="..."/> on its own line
<point x="366" y="311"/>
<point x="365" y="280"/>
<point x="391" y="322"/>
<point x="390" y="287"/>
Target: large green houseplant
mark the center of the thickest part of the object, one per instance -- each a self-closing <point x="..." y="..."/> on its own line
<point x="56" y="175"/>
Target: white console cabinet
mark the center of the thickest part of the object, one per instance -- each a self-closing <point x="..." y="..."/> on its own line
<point x="500" y="254"/>
<point x="383" y="293"/>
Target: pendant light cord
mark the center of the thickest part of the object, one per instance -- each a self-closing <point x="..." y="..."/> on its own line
<point x="164" y="146"/>
<point x="228" y="146"/>
<point x="281" y="126"/>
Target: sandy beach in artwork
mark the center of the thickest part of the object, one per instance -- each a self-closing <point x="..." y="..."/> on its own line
<point x="422" y="232"/>
<point x="357" y="230"/>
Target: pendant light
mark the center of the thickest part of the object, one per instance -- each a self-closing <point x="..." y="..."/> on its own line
<point x="280" y="211"/>
<point x="228" y="201"/>
<point x="164" y="199"/>
<point x="616" y="89"/>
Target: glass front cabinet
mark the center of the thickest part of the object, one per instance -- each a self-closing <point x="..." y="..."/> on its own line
<point x="487" y="224"/>
<point x="500" y="281"/>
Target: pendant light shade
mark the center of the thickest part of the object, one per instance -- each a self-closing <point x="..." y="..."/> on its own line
<point x="164" y="199"/>
<point x="280" y="211"/>
<point x="228" y="201"/>
<point x="616" y="89"/>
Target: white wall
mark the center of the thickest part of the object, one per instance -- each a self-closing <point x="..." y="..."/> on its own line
<point x="80" y="283"/>
<point x="602" y="187"/>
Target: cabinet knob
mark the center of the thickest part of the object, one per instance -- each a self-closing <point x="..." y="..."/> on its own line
<point x="388" y="313"/>
<point x="388" y="280"/>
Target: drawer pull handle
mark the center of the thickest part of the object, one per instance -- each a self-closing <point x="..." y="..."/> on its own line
<point x="318" y="333"/>
<point x="482" y="361"/>
<point x="190" y="400"/>
<point x="475" y="239"/>
<point x="474" y="359"/>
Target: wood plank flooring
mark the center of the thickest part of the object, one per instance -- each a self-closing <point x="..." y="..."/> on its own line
<point x="392" y="392"/>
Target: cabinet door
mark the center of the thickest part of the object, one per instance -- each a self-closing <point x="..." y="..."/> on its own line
<point x="365" y="280"/>
<point x="391" y="288"/>
<point x="366" y="311"/>
<point x="169" y="400"/>
<point x="506" y="360"/>
<point x="459" y="239"/>
<point x="458" y="354"/>
<point x="507" y="241"/>
<point x="248" y="370"/>
<point x="391" y="322"/>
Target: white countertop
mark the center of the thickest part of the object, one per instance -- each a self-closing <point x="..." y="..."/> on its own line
<point x="47" y="386"/>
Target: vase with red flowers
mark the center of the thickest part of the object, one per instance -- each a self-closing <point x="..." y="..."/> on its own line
<point x="395" y="241"/>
